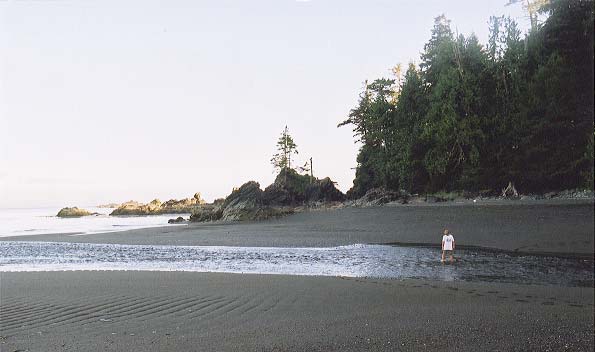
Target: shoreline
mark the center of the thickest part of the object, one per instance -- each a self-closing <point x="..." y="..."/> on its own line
<point x="531" y="228"/>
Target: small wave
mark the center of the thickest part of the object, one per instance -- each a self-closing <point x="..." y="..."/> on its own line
<point x="359" y="260"/>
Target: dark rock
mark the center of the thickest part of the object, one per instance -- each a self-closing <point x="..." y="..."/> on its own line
<point x="177" y="220"/>
<point x="323" y="191"/>
<point x="219" y="201"/>
<point x="277" y="194"/>
<point x="243" y="203"/>
<point x="206" y="213"/>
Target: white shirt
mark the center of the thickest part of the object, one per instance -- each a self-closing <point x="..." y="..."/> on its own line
<point x="447" y="241"/>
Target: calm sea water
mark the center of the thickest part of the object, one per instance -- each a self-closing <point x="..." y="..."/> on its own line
<point x="35" y="221"/>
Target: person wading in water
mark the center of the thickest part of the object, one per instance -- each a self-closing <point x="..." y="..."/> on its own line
<point x="448" y="245"/>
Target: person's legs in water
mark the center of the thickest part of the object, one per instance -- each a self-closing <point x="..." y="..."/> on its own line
<point x="442" y="260"/>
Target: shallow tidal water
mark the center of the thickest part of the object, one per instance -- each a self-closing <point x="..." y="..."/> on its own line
<point x="379" y="261"/>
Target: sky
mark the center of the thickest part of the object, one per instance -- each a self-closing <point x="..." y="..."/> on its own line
<point x="108" y="101"/>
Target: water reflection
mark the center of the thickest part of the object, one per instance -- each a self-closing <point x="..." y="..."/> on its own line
<point x="381" y="261"/>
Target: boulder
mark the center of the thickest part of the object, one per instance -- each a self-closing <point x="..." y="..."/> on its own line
<point x="73" y="212"/>
<point x="177" y="220"/>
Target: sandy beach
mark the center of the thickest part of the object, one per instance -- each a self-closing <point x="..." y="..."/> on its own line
<point x="175" y="311"/>
<point x="143" y="311"/>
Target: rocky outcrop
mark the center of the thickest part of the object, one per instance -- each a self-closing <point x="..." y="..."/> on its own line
<point x="245" y="203"/>
<point x="277" y="194"/>
<point x="289" y="193"/>
<point x="207" y="212"/>
<point x="293" y="189"/>
<point x="156" y="207"/>
<point x="323" y="191"/>
<point x="73" y="212"/>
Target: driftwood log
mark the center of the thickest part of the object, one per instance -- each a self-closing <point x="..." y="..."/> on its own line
<point x="510" y="191"/>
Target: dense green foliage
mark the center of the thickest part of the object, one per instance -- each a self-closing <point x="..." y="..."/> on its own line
<point x="474" y="117"/>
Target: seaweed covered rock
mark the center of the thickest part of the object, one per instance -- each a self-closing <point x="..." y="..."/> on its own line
<point x="73" y="212"/>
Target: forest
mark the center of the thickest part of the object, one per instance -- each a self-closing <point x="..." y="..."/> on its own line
<point x="473" y="117"/>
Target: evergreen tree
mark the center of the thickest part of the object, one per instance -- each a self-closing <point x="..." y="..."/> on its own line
<point x="285" y="148"/>
<point x="475" y="118"/>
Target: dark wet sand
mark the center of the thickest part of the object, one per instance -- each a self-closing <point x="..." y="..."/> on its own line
<point x="157" y="311"/>
<point x="535" y="226"/>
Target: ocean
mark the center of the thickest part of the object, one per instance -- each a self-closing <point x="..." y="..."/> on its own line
<point x="36" y="221"/>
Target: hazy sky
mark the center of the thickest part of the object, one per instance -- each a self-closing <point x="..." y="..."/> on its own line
<point x="116" y="100"/>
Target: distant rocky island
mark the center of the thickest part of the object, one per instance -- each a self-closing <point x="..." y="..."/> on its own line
<point x="73" y="212"/>
<point x="156" y="207"/>
<point x="134" y="208"/>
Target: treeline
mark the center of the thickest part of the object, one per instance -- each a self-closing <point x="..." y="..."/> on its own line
<point x="474" y="117"/>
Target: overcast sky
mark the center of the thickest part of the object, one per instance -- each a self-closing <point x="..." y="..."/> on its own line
<point x="105" y="101"/>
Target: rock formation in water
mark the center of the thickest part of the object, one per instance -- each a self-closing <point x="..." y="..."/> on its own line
<point x="156" y="207"/>
<point x="73" y="212"/>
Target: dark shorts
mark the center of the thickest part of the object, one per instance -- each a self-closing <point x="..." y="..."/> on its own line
<point x="450" y="252"/>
